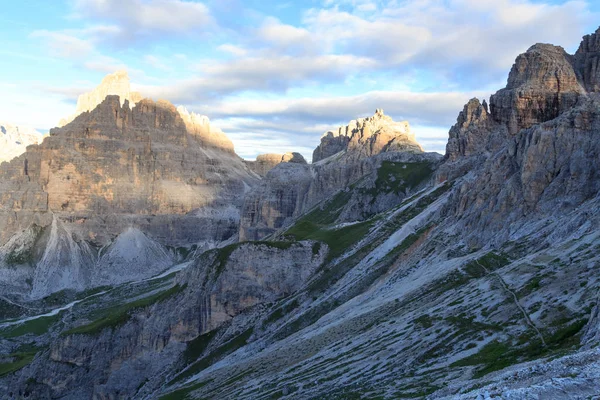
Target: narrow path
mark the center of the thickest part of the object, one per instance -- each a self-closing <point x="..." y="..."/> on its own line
<point x="6" y="299"/>
<point x="51" y="313"/>
<point x="516" y="301"/>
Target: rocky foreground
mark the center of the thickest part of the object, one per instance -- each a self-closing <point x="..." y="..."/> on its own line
<point x="379" y="271"/>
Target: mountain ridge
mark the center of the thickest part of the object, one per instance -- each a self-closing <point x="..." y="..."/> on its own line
<point x="371" y="273"/>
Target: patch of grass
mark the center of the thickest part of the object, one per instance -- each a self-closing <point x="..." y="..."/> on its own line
<point x="424" y="320"/>
<point x="119" y="315"/>
<point x="281" y="311"/>
<point x="183" y="394"/>
<point x="223" y="254"/>
<point x="498" y="355"/>
<point x="23" y="357"/>
<point x="338" y="240"/>
<point x="214" y="356"/>
<point x="37" y="326"/>
<point x="398" y="177"/>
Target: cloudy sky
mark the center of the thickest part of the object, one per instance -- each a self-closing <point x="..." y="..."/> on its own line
<point x="275" y="75"/>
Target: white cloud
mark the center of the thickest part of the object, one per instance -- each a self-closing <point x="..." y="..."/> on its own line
<point x="139" y="17"/>
<point x="156" y="62"/>
<point x="64" y="45"/>
<point x="275" y="74"/>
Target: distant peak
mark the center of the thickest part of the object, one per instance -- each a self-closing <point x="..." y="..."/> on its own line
<point x="116" y="84"/>
<point x="367" y="137"/>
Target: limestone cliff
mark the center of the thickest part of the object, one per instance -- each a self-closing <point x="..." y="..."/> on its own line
<point x="385" y="284"/>
<point x="376" y="151"/>
<point x="541" y="85"/>
<point x="199" y="125"/>
<point x="112" y="169"/>
<point x="367" y="137"/>
<point x="116" y="84"/>
<point x="266" y="162"/>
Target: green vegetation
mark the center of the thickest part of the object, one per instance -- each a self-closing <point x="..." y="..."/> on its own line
<point x="36" y="326"/>
<point x="23" y="357"/>
<point x="398" y="177"/>
<point x="182" y="394"/>
<point x="338" y="240"/>
<point x="224" y="253"/>
<point x="281" y="311"/>
<point x="199" y="345"/>
<point x="121" y="314"/>
<point x="498" y="355"/>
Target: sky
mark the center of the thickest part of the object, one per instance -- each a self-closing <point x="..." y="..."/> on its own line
<point x="276" y="75"/>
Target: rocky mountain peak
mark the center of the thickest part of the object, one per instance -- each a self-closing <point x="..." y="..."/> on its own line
<point x="541" y="85"/>
<point x="365" y="137"/>
<point x="469" y="134"/>
<point x="200" y="126"/>
<point x="117" y="83"/>
<point x="587" y="61"/>
<point x="266" y="162"/>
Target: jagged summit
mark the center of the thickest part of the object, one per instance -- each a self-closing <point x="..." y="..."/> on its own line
<point x="543" y="83"/>
<point x="369" y="136"/>
<point x="200" y="126"/>
<point x="265" y="162"/>
<point x="117" y="83"/>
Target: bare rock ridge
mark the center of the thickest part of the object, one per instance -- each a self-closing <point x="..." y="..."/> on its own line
<point x="290" y="189"/>
<point x="392" y="275"/>
<point x="109" y="170"/>
<point x="15" y="139"/>
<point x="266" y="162"/>
<point x="199" y="125"/>
<point x="366" y="137"/>
<point x="587" y="62"/>
<point x="544" y="82"/>
<point x="116" y="84"/>
<point x="537" y="144"/>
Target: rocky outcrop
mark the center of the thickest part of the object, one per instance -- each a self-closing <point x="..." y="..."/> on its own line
<point x="116" y="361"/>
<point x="116" y="84"/>
<point x="541" y="85"/>
<point x="15" y="139"/>
<point x="587" y="61"/>
<point x="117" y="168"/>
<point x="470" y="133"/>
<point x="367" y="137"/>
<point x="290" y="190"/>
<point x="539" y="141"/>
<point x="266" y="162"/>
<point x="199" y="125"/>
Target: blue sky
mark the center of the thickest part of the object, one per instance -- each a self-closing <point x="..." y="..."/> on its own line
<point x="275" y="75"/>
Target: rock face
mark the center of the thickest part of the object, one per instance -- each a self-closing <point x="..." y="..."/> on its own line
<point x="291" y="189"/>
<point x="116" y="84"/>
<point x="199" y="125"/>
<point x="110" y="170"/>
<point x="363" y="147"/>
<point x="366" y="137"/>
<point x="215" y="289"/>
<point x="541" y="85"/>
<point x="15" y="139"/>
<point x="266" y="162"/>
<point x="470" y="133"/>
<point x="587" y="61"/>
<point x="482" y="284"/>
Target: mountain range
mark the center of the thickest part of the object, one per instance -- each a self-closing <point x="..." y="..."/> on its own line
<point x="140" y="257"/>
